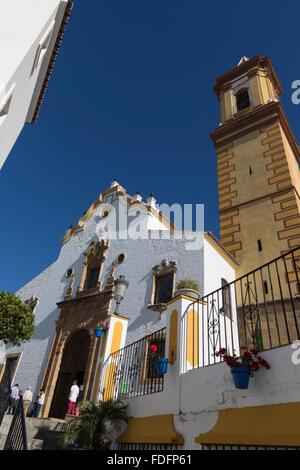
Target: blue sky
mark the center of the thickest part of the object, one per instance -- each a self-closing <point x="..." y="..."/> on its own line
<point x="131" y="97"/>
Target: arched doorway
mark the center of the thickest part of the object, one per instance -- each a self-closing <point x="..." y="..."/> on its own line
<point x="73" y="366"/>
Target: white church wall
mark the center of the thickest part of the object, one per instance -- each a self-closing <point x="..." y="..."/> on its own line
<point x="216" y="268"/>
<point x="50" y="287"/>
<point x="209" y="389"/>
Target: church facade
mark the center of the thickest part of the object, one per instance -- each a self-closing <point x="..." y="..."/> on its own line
<point x="76" y="292"/>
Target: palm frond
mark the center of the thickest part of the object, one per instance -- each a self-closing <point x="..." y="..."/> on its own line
<point x="93" y="428"/>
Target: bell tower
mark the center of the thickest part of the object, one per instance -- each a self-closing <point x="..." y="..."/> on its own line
<point x="258" y="172"/>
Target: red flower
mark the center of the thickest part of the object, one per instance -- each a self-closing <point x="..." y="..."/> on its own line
<point x="254" y="352"/>
<point x="222" y="351"/>
<point x="153" y="348"/>
<point x="247" y="354"/>
<point x="254" y="364"/>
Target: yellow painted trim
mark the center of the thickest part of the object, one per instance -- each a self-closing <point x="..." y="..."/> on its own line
<point x="117" y="336"/>
<point x="185" y="297"/>
<point x="109" y="384"/>
<point x="118" y="190"/>
<point x="82" y="222"/>
<point x="270" y="425"/>
<point x="192" y="352"/>
<point x="118" y="316"/>
<point x="173" y="337"/>
<point x="151" y="430"/>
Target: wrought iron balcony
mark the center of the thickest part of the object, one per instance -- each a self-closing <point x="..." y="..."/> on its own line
<point x="260" y="310"/>
<point x="130" y="372"/>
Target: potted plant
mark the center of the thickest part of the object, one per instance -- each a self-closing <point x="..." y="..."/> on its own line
<point x="159" y="360"/>
<point x="244" y="366"/>
<point x="187" y="287"/>
<point x="95" y="426"/>
<point x="101" y="326"/>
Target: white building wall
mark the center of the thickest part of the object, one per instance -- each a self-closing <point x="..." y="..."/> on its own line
<point x="216" y="268"/>
<point x="23" y="24"/>
<point x="194" y="397"/>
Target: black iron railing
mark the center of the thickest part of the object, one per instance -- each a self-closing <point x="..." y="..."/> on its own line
<point x="5" y="390"/>
<point x="131" y="446"/>
<point x="260" y="310"/>
<point x="131" y="371"/>
<point x="16" y="438"/>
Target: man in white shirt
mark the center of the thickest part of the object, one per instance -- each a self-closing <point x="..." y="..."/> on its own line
<point x="27" y="399"/>
<point x="74" y="392"/>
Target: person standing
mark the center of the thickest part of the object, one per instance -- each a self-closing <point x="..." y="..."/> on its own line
<point x="27" y="399"/>
<point x="79" y="400"/>
<point x="13" y="399"/>
<point x="33" y="409"/>
<point x="39" y="404"/>
<point x="73" y="395"/>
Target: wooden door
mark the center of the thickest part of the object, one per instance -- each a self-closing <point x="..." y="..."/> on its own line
<point x="73" y="366"/>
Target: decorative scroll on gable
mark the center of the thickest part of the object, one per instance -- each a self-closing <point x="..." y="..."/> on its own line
<point x="32" y="302"/>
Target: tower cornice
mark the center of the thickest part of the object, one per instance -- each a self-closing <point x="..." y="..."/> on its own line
<point x="250" y="67"/>
<point x="262" y="115"/>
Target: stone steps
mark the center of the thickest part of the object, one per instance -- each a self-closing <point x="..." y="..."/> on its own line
<point x="42" y="433"/>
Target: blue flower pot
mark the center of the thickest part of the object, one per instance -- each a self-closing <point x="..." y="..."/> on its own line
<point x="98" y="332"/>
<point x="241" y="376"/>
<point x="161" y="366"/>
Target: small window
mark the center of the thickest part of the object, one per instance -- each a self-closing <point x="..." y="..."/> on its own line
<point x="226" y="301"/>
<point x="93" y="277"/>
<point x="163" y="288"/>
<point x="163" y="282"/>
<point x="11" y="365"/>
<point x="42" y="49"/>
<point x="121" y="258"/>
<point x="259" y="245"/>
<point x="266" y="289"/>
<point x="250" y="170"/>
<point x="242" y="99"/>
<point x="5" y="108"/>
